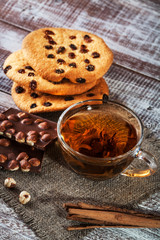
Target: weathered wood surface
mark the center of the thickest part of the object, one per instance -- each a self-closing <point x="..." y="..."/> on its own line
<point x="131" y="29"/>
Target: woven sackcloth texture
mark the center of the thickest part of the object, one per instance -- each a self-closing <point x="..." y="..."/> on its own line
<point x="56" y="184"/>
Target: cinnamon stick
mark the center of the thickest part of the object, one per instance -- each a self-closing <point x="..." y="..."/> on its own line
<point x="110" y="216"/>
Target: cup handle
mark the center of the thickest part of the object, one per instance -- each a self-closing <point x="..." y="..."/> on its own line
<point x="145" y="171"/>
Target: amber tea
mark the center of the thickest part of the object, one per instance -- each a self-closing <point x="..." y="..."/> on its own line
<point x="101" y="140"/>
<point x="99" y="134"/>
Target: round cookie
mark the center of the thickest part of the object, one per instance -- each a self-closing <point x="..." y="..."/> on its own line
<point x="17" y="68"/>
<point x="57" y="52"/>
<point x="36" y="102"/>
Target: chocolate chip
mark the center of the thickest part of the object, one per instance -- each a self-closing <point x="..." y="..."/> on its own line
<point x="86" y="61"/>
<point x="48" y="47"/>
<point x="72" y="37"/>
<point x="33" y="105"/>
<point x="73" y="47"/>
<point x="49" y="32"/>
<point x="105" y="98"/>
<point x="95" y="55"/>
<point x="48" y="37"/>
<point x="7" y="69"/>
<point x="34" y="95"/>
<point x="29" y="68"/>
<point x="51" y="41"/>
<point x="19" y="89"/>
<point x="87" y="38"/>
<point x="47" y="104"/>
<point x="33" y="85"/>
<point x="80" y="80"/>
<point x="83" y="49"/>
<point x="50" y="56"/>
<point x="90" y="68"/>
<point x="59" y="71"/>
<point x="60" y="61"/>
<point x="71" y="55"/>
<point x="69" y="98"/>
<point x="73" y="65"/>
<point x="30" y="74"/>
<point x="90" y="94"/>
<point x="61" y="50"/>
<point x="21" y="71"/>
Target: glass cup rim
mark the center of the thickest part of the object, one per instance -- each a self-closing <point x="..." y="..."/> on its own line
<point x="96" y="158"/>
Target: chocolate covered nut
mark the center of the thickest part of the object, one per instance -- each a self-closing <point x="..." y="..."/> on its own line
<point x="9" y="183"/>
<point x="32" y="133"/>
<point x="3" y="158"/>
<point x="38" y="121"/>
<point x="11" y="156"/>
<point x="10" y="132"/>
<point x="13" y="117"/>
<point x="25" y="165"/>
<point x="46" y="137"/>
<point x="43" y="125"/>
<point x="6" y="124"/>
<point x="20" y="137"/>
<point x="22" y="115"/>
<point x="13" y="165"/>
<point x="31" y="140"/>
<point x="21" y="156"/>
<point x="27" y="121"/>
<point x="42" y="133"/>
<point x="35" y="162"/>
<point x="4" y="142"/>
<point x="2" y="129"/>
<point x="2" y="117"/>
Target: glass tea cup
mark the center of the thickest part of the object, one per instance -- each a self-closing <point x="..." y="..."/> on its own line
<point x="100" y="140"/>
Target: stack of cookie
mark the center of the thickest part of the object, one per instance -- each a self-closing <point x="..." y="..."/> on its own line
<point x="58" y="67"/>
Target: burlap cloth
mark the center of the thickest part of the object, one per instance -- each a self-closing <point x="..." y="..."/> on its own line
<point x="57" y="184"/>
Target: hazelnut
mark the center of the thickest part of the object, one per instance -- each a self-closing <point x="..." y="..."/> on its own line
<point x="3" y="158"/>
<point x="35" y="162"/>
<point x="9" y="183"/>
<point x="43" y="125"/>
<point x="25" y="166"/>
<point x="2" y="117"/>
<point x="21" y="156"/>
<point x="6" y="124"/>
<point x="31" y="140"/>
<point x="20" y="137"/>
<point x="4" y="142"/>
<point x="13" y="165"/>
<point x="38" y="120"/>
<point x="46" y="137"/>
<point x="27" y="121"/>
<point x="13" y="117"/>
<point x="22" y="115"/>
<point x="10" y="132"/>
<point x="24" y="197"/>
<point x="11" y="156"/>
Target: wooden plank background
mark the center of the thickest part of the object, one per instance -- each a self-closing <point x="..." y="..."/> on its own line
<point x="131" y="29"/>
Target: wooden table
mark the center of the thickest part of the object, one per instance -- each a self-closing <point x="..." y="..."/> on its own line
<point x="132" y="31"/>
